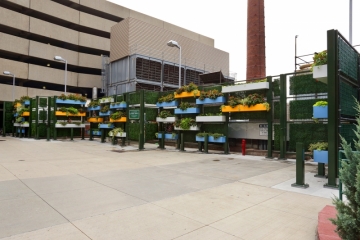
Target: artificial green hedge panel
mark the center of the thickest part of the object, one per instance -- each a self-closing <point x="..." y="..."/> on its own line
<point x="33" y="103"/>
<point x="276" y="87"/>
<point x="347" y="95"/>
<point x="276" y="137"/>
<point x="43" y="102"/>
<point x="9" y="106"/>
<point x="307" y="133"/>
<point x="249" y="115"/>
<point x="151" y="114"/>
<point x="302" y="109"/>
<point x="119" y="98"/>
<point x="151" y="97"/>
<point x="347" y="132"/>
<point x="213" y="128"/>
<point x="276" y="110"/>
<point x="305" y="84"/>
<point x="134" y="130"/>
<point x="211" y="109"/>
<point x="134" y="98"/>
<point x="150" y="130"/>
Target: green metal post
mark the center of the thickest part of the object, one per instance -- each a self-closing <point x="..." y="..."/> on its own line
<point x="182" y="147"/>
<point x="300" y="167"/>
<point x="4" y="125"/>
<point x="206" y="139"/>
<point x="142" y="122"/>
<point x="200" y="146"/>
<point x="226" y="144"/>
<point x="71" y="134"/>
<point x="127" y="98"/>
<point x="123" y="141"/>
<point x="178" y="142"/>
<point x="269" y="99"/>
<point x="163" y="140"/>
<point x="321" y="171"/>
<point x="91" y="134"/>
<point x="37" y="118"/>
<point x="283" y="117"/>
<point x="102" y="135"/>
<point x="333" y="106"/>
<point x="48" y="125"/>
<point x="20" y="132"/>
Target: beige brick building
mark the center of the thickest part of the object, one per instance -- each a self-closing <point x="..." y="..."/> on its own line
<point x="33" y="32"/>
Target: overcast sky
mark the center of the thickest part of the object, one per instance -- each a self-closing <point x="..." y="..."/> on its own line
<point x="225" y="21"/>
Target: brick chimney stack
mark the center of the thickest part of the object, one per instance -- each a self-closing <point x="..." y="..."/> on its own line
<point x="255" y="65"/>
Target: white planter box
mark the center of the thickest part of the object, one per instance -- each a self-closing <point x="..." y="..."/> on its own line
<point x="191" y="129"/>
<point x="21" y="125"/>
<point x="123" y="134"/>
<point x="106" y="100"/>
<point x="210" y="119"/>
<point x="166" y="120"/>
<point x="320" y="73"/>
<point x="70" y="125"/>
<point x="245" y="87"/>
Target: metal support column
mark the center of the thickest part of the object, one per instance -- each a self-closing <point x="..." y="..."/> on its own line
<point x="283" y="117"/>
<point x="142" y="122"/>
<point x="300" y="167"/>
<point x="182" y="147"/>
<point x="269" y="99"/>
<point x="333" y="106"/>
<point x="206" y="140"/>
<point x="321" y="171"/>
<point x="37" y="118"/>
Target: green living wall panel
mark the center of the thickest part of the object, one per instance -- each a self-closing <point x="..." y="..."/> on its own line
<point x="303" y="109"/>
<point x="348" y="94"/>
<point x="307" y="133"/>
<point x="306" y="84"/>
<point x="151" y="97"/>
<point x="276" y="137"/>
<point x="150" y="130"/>
<point x="347" y="132"/>
<point x="151" y="114"/>
<point x="134" y="130"/>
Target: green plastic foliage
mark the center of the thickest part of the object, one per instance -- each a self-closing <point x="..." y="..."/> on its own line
<point x="43" y="101"/>
<point x="276" y="110"/>
<point x="151" y="97"/>
<point x="276" y="137"/>
<point x="348" y="60"/>
<point x="302" y="109"/>
<point x="347" y="95"/>
<point x="119" y="98"/>
<point x="305" y="84"/>
<point x="134" y="98"/>
<point x="151" y="114"/>
<point x="276" y="87"/>
<point x="134" y="130"/>
<point x="307" y="133"/>
<point x="150" y="130"/>
<point x="249" y="115"/>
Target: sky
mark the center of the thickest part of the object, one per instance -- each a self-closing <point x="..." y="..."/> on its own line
<point x="226" y="22"/>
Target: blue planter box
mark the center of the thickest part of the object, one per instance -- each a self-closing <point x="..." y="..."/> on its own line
<point x="320" y="112"/>
<point x="167" y="104"/>
<point x="187" y="111"/>
<point x="200" y="139"/>
<point x="22" y="130"/>
<point x="67" y="101"/>
<point x="321" y="156"/>
<point x="120" y="105"/>
<point x="168" y="136"/>
<point x="96" y="133"/>
<point x="27" y="102"/>
<point x="94" y="108"/>
<point x="105" y="125"/>
<point x="217" y="140"/>
<point x="105" y="114"/>
<point x="211" y="101"/>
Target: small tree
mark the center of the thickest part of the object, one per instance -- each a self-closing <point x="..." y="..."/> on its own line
<point x="347" y="220"/>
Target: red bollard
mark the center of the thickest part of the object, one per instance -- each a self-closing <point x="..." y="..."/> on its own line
<point x="243" y="146"/>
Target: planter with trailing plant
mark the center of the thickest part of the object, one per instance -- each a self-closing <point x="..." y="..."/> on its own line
<point x="166" y="116"/>
<point x="212" y="137"/>
<point x="187" y="91"/>
<point x="172" y="136"/>
<point x="210" y="97"/>
<point x="94" y="105"/>
<point x="186" y="124"/>
<point x="116" y="105"/>
<point x="71" y="99"/>
<point x="320" y="152"/>
<point x="248" y="86"/>
<point x="69" y="125"/>
<point x="104" y="111"/>
<point x="250" y="103"/>
<point x="187" y="108"/>
<point x="106" y="100"/>
<point x="117" y="132"/>
<point x="319" y="67"/>
<point x="118" y="116"/>
<point x="320" y="109"/>
<point x="70" y="111"/>
<point x="22" y="124"/>
<point x="211" y="117"/>
<point x="167" y="101"/>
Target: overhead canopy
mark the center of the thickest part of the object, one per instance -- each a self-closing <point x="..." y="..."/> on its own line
<point x="214" y="77"/>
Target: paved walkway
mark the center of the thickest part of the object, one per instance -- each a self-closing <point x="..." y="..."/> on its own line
<point x="88" y="190"/>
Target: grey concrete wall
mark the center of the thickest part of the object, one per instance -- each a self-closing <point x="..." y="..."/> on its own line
<point x="24" y="3"/>
<point x="14" y="44"/>
<point x="96" y="22"/>
<point x="14" y="19"/>
<point x="105" y="6"/>
<point x="87" y="60"/>
<point x="21" y="70"/>
<point x="88" y="40"/>
<point x="50" y="75"/>
<point x="87" y="80"/>
<point x="55" y="9"/>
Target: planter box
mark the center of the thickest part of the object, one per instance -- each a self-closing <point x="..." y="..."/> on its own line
<point x="245" y="87"/>
<point x="210" y="118"/>
<point x="168" y="136"/>
<point x="27" y="102"/>
<point x="187" y="111"/>
<point x="106" y="100"/>
<point x="166" y="120"/>
<point x="68" y="101"/>
<point x="22" y="130"/>
<point x="242" y="108"/>
<point x="59" y="113"/>
<point x="21" y="124"/>
<point x="320" y="112"/>
<point x="105" y="113"/>
<point x="191" y="129"/>
<point x="95" y="120"/>
<point x="321" y="156"/>
<point x="211" y="101"/>
<point x="167" y="104"/>
<point x="105" y="125"/>
<point x="120" y="105"/>
<point x="69" y="125"/>
<point x="96" y="133"/>
<point x="94" y="108"/>
<point x="320" y="73"/>
<point x="17" y="105"/>
<point x="194" y="93"/>
<point x="123" y="134"/>
<point x="217" y="140"/>
<point x="200" y="139"/>
<point x="122" y="119"/>
<point x="24" y="114"/>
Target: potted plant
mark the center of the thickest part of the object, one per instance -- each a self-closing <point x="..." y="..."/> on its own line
<point x="319" y="67"/>
<point x="117" y="132"/>
<point x="94" y="105"/>
<point x="200" y="137"/>
<point x="320" y="151"/>
<point x="167" y="101"/>
<point x="320" y="109"/>
<point x="104" y="111"/>
<point x="217" y="138"/>
<point x="186" y="124"/>
<point x="166" y="116"/>
<point x="246" y="86"/>
<point x="252" y="102"/>
<point x="106" y="100"/>
<point x="211" y="117"/>
<point x="190" y="90"/>
<point x="210" y="97"/>
<point x="186" y="108"/>
<point x="118" y="116"/>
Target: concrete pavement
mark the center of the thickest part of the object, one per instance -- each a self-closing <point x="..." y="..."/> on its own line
<point x="88" y="190"/>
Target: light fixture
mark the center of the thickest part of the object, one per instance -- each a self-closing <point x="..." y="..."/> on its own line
<point x="58" y="58"/>
<point x="173" y="43"/>
<point x="13" y="88"/>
